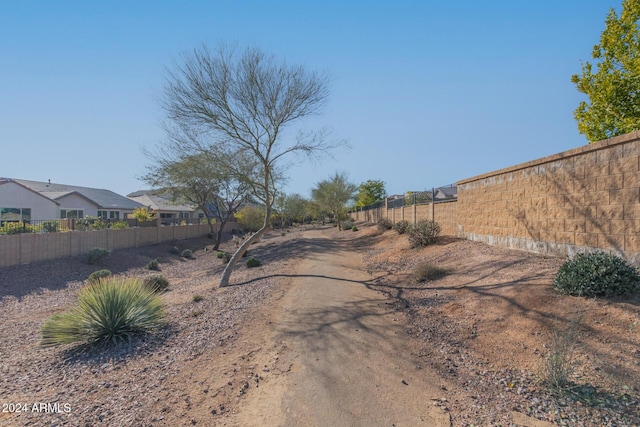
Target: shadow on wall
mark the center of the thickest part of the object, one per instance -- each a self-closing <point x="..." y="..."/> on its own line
<point x="580" y="200"/>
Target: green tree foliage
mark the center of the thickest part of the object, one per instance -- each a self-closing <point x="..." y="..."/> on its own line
<point x="143" y="214"/>
<point x="250" y="218"/>
<point x="314" y="211"/>
<point x="613" y="85"/>
<point x="292" y="208"/>
<point x="333" y="195"/>
<point x="204" y="178"/>
<point x="370" y="192"/>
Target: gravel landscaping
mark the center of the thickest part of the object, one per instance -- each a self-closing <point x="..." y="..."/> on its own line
<point x="485" y="325"/>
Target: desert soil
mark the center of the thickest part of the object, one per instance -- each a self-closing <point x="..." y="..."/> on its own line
<point x="332" y="330"/>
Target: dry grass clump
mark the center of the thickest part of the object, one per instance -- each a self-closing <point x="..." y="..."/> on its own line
<point x="428" y="271"/>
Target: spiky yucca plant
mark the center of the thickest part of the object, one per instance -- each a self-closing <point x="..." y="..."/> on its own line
<point x="108" y="311"/>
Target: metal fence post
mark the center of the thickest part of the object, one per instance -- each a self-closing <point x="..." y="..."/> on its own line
<point x="433" y="204"/>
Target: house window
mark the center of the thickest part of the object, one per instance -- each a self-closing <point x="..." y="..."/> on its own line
<point x="184" y="215"/>
<point x="109" y="214"/>
<point x="166" y="215"/>
<point x="15" y="214"/>
<point x="71" y="213"/>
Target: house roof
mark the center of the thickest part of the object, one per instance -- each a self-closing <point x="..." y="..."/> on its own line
<point x="105" y="199"/>
<point x="10" y="180"/>
<point x="447" y="192"/>
<point x="159" y="203"/>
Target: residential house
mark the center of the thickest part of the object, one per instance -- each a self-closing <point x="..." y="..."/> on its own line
<point x="169" y="211"/>
<point x="47" y="200"/>
<point x="21" y="203"/>
<point x="446" y="193"/>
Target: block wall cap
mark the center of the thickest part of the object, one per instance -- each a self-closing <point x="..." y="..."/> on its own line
<point x="594" y="146"/>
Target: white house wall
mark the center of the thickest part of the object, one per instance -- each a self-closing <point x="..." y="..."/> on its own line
<point x="76" y="201"/>
<point x="13" y="195"/>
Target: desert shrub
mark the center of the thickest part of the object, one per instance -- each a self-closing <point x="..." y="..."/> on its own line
<point x="98" y="274"/>
<point x="174" y="250"/>
<point x="17" y="228"/>
<point x="187" y="253"/>
<point x="154" y="264"/>
<point x="107" y="312"/>
<point x="97" y="255"/>
<point x="225" y="257"/>
<point x="560" y="363"/>
<point x="50" y="226"/>
<point x="424" y="233"/>
<point x="346" y="225"/>
<point x="11" y="228"/>
<point x="250" y="218"/>
<point x="90" y="223"/>
<point x="156" y="283"/>
<point x="384" y="224"/>
<point x="354" y="228"/>
<point x="119" y="225"/>
<point x="401" y="227"/>
<point x="428" y="271"/>
<point x="253" y="262"/>
<point x="197" y="298"/>
<point x="143" y="215"/>
<point x="597" y="274"/>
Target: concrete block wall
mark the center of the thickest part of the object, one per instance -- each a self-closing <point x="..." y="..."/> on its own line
<point x="587" y="198"/>
<point x="26" y="248"/>
<point x="445" y="214"/>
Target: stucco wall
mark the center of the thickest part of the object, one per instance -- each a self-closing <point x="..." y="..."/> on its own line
<point x="13" y="195"/>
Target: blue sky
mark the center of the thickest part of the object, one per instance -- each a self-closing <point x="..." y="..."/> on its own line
<point x="426" y="93"/>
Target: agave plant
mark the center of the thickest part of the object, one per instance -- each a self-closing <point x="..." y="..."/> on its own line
<point x="108" y="311"/>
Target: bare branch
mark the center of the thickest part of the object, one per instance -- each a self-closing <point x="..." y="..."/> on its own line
<point x="236" y="104"/>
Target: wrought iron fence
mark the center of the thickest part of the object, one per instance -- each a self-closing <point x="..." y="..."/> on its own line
<point x="87" y="224"/>
<point x="446" y="193"/>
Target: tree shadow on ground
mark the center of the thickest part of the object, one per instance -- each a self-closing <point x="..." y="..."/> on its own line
<point x="139" y="345"/>
<point x="17" y="281"/>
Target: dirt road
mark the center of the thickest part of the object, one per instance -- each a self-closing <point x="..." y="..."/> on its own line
<point x="340" y="356"/>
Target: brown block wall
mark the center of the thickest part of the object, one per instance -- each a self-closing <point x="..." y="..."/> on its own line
<point x="28" y="248"/>
<point x="444" y="213"/>
<point x="581" y="199"/>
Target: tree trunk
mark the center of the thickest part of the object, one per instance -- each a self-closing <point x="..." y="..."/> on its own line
<point x="211" y="230"/>
<point x="237" y="256"/>
<point x="218" y="237"/>
<point x="222" y="222"/>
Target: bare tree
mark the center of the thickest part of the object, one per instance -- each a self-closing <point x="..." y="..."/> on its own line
<point x="244" y="101"/>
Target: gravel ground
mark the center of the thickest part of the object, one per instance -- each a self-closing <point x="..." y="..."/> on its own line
<point x="139" y="384"/>
<point x="485" y="326"/>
